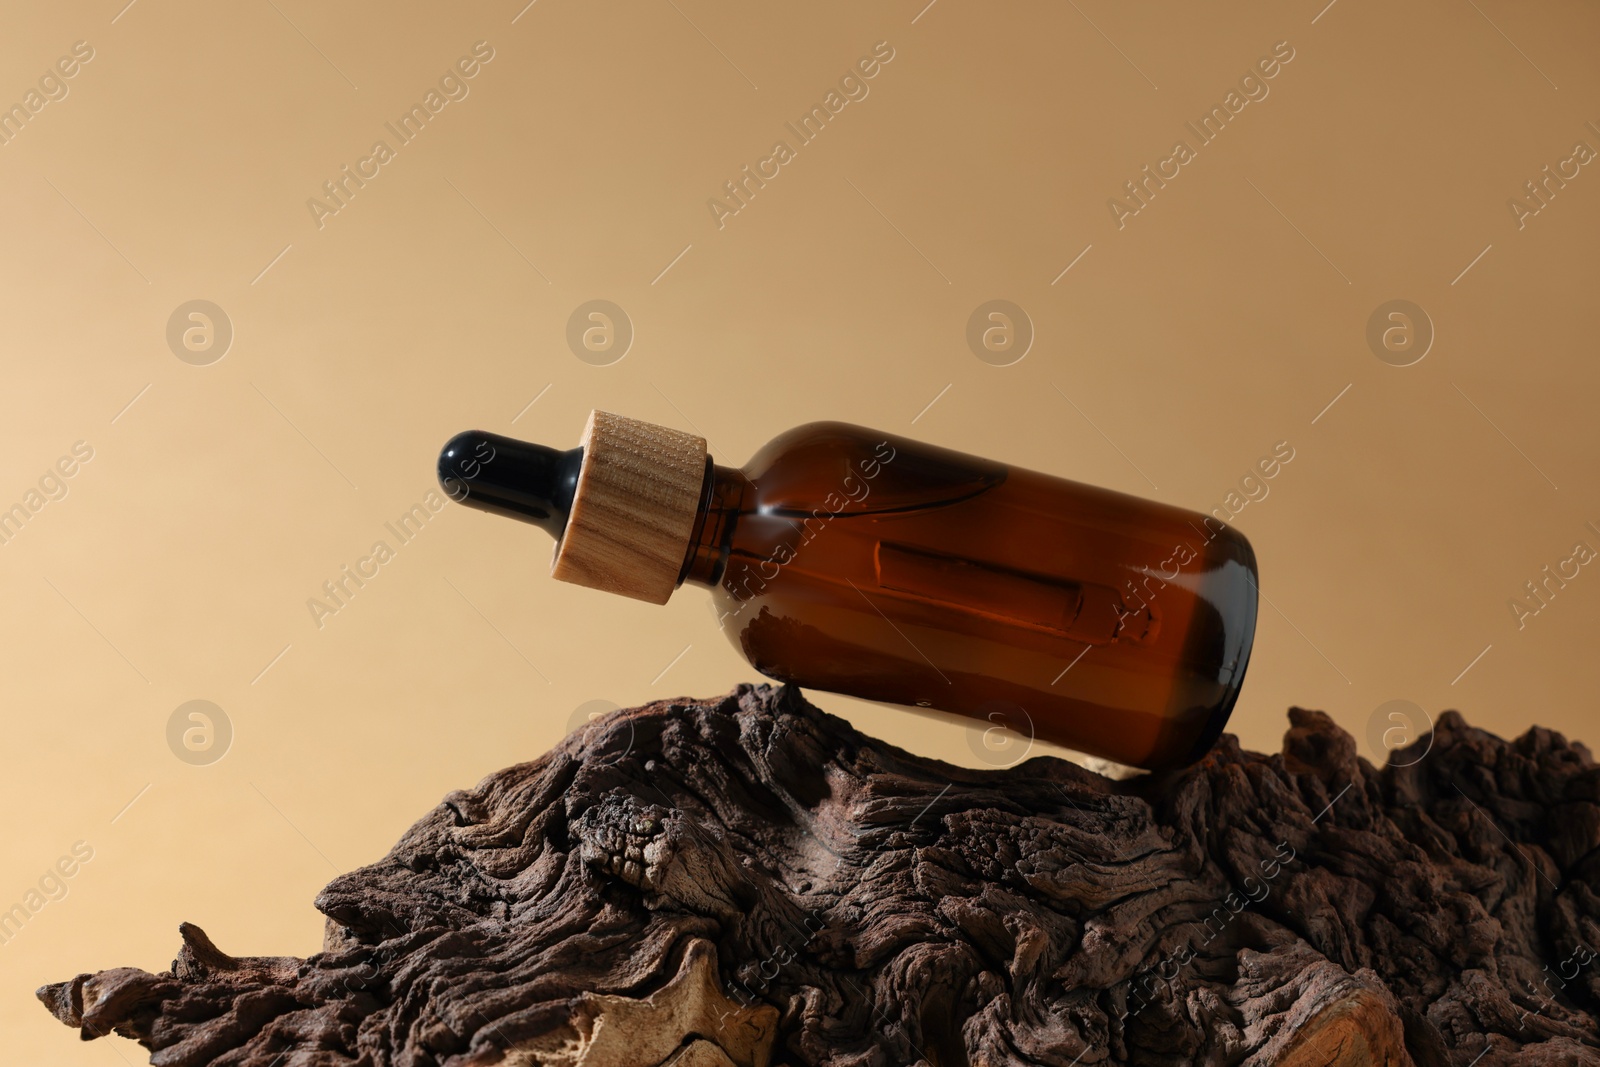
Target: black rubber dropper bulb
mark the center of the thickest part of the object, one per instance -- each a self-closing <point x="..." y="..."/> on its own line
<point x="508" y="477"/>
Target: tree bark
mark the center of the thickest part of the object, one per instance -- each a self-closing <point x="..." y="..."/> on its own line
<point x="750" y="881"/>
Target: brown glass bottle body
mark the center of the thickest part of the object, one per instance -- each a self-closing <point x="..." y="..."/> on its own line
<point x="844" y="559"/>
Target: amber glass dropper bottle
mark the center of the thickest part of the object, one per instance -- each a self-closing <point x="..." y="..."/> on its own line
<point x="845" y="559"/>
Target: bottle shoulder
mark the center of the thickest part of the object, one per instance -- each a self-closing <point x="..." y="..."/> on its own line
<point x="846" y="468"/>
<point x="817" y="439"/>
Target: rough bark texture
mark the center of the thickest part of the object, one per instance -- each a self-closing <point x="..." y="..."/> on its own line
<point x="748" y="881"/>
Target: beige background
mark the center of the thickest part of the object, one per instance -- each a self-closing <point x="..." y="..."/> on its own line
<point x="1225" y="317"/>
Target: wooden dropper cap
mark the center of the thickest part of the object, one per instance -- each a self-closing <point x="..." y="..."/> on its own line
<point x="633" y="508"/>
<point x="621" y="506"/>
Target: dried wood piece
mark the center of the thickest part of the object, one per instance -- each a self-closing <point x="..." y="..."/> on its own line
<point x="749" y="881"/>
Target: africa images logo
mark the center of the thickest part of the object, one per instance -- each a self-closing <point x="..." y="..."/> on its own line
<point x="453" y="86"/>
<point x="1253" y="88"/>
<point x="853" y="87"/>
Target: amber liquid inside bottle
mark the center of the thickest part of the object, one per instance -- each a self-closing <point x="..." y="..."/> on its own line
<point x="849" y="560"/>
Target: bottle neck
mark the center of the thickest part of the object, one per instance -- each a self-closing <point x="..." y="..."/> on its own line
<point x="726" y="492"/>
